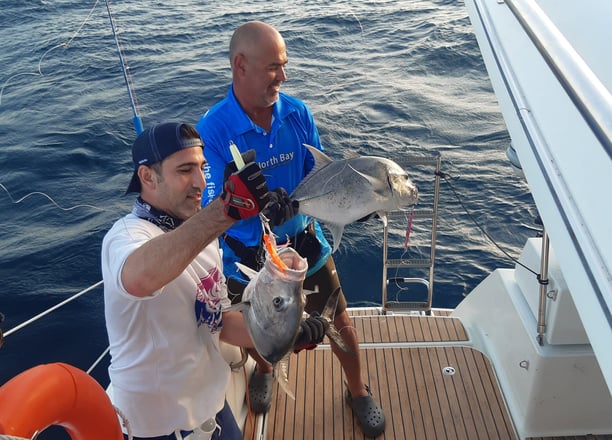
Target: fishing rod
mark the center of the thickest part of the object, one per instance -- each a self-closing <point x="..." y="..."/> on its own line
<point x="126" y="76"/>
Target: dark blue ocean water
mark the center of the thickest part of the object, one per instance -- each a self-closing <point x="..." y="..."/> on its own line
<point x="385" y="78"/>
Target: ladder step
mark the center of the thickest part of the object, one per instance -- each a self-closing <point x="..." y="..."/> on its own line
<point x="418" y="160"/>
<point x="427" y="211"/>
<point x="408" y="263"/>
<point x="418" y="214"/>
<point x="407" y="305"/>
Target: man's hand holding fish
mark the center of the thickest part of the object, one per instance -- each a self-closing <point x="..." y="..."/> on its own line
<point x="311" y="332"/>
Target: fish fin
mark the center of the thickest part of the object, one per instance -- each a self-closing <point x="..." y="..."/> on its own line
<point x="336" y="232"/>
<point x="321" y="159"/>
<point x="239" y="307"/>
<point x="383" y="217"/>
<point x="281" y="369"/>
<point x="372" y="181"/>
<point x="250" y="273"/>
<point x="333" y="334"/>
<point x="308" y="292"/>
<point x="329" y="311"/>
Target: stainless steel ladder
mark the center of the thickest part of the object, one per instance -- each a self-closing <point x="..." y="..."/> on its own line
<point x="426" y="264"/>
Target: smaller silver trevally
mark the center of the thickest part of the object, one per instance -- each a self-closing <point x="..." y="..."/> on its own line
<point x="273" y="307"/>
<point x="273" y="303"/>
<point x="339" y="192"/>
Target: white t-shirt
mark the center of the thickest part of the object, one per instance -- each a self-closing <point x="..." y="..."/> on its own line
<point x="167" y="370"/>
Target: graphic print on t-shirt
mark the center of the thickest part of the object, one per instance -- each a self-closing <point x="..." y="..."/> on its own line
<point x="208" y="300"/>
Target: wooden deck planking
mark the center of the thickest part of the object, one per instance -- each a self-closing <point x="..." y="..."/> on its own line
<point x="403" y="328"/>
<point x="413" y="400"/>
<point x="413" y="328"/>
<point x="576" y="437"/>
<point x="419" y="401"/>
<point x="423" y="403"/>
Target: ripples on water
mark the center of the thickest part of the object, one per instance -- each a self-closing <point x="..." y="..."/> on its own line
<point x="384" y="78"/>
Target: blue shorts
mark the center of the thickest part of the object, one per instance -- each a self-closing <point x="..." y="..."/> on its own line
<point x="228" y="428"/>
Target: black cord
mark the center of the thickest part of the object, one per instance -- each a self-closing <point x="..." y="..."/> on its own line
<point x="486" y="234"/>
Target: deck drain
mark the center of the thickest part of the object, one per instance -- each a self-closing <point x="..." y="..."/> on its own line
<point x="448" y="371"/>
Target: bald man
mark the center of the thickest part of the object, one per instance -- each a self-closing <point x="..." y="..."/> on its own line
<point x="256" y="115"/>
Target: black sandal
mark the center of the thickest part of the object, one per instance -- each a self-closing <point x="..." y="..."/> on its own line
<point x="260" y="392"/>
<point x="369" y="414"/>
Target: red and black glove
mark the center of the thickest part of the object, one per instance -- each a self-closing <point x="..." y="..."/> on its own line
<point x="245" y="192"/>
<point x="311" y="332"/>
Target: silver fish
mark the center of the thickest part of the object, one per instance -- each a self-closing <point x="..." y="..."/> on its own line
<point x="273" y="307"/>
<point x="273" y="303"/>
<point x="339" y="192"/>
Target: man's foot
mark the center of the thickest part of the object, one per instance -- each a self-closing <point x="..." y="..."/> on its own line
<point x="369" y="414"/>
<point x="260" y="392"/>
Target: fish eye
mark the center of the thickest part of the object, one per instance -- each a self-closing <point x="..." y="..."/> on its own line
<point x="277" y="301"/>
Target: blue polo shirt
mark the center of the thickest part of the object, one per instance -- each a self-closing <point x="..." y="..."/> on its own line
<point x="280" y="154"/>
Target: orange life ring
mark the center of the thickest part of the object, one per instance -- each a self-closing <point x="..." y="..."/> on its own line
<point x="57" y="394"/>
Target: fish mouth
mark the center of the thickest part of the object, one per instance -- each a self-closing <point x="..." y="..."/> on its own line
<point x="296" y="265"/>
<point x="293" y="260"/>
<point x="413" y="193"/>
<point x="403" y="188"/>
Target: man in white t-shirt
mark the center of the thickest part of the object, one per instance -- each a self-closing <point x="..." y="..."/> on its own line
<point x="164" y="290"/>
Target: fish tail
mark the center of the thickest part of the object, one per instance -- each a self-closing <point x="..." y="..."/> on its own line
<point x="280" y="373"/>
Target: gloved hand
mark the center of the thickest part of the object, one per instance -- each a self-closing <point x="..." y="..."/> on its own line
<point x="280" y="208"/>
<point x="230" y="168"/>
<point x="311" y="332"/>
<point x="245" y="192"/>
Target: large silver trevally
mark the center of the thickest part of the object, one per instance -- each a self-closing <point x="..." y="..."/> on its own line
<point x="339" y="192"/>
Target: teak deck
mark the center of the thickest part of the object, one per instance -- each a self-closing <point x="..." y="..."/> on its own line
<point x="419" y="396"/>
<point x="406" y="360"/>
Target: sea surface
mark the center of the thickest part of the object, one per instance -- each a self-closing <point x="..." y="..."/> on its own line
<point x="387" y="78"/>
